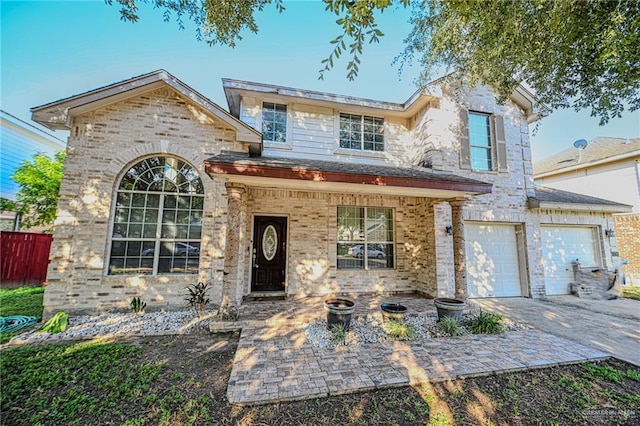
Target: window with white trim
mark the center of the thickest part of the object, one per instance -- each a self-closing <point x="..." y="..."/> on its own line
<point x="361" y="132"/>
<point x="274" y="122"/>
<point x="157" y="226"/>
<point x="480" y="141"/>
<point x="365" y="238"/>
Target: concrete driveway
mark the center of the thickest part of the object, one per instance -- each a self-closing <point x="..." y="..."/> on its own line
<point x="612" y="326"/>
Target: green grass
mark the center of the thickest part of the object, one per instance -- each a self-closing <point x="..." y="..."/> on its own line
<point x="631" y="292"/>
<point x="74" y="383"/>
<point x="20" y="301"/>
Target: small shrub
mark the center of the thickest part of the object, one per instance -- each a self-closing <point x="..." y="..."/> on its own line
<point x="57" y="323"/>
<point x="399" y="330"/>
<point x="486" y="323"/>
<point x="137" y="305"/>
<point x="451" y="326"/>
<point x="338" y="334"/>
<point x="198" y="297"/>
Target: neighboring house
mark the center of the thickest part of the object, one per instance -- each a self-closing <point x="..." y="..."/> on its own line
<point x="607" y="168"/>
<point x="20" y="141"/>
<point x="298" y="193"/>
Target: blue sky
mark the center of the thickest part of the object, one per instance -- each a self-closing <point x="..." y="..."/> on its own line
<point x="51" y="50"/>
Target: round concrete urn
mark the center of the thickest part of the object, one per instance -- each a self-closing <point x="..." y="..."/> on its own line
<point x="449" y="308"/>
<point x="393" y="311"/>
<point x="339" y="311"/>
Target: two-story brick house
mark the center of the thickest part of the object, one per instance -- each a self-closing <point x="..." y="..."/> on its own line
<point x="295" y="193"/>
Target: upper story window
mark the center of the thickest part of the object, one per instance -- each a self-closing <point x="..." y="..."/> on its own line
<point x="480" y="141"/>
<point x="361" y="132"/>
<point x="365" y="238"/>
<point x="274" y="122"/>
<point x="157" y="226"/>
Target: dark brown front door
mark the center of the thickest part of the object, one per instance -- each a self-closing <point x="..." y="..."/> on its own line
<point x="269" y="253"/>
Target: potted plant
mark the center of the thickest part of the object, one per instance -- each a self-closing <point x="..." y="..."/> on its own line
<point x="393" y="311"/>
<point x="339" y="311"/>
<point x="449" y="308"/>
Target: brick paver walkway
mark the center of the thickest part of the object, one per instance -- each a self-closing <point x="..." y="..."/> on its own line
<point x="276" y="363"/>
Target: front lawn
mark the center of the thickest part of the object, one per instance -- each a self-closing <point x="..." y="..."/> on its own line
<point x="174" y="380"/>
<point x="631" y="292"/>
<point x="20" y="301"/>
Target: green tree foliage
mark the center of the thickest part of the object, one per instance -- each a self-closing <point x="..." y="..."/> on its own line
<point x="39" y="181"/>
<point x="573" y="53"/>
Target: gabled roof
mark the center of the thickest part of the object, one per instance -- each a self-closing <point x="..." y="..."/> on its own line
<point x="233" y="90"/>
<point x="598" y="151"/>
<point x="336" y="176"/>
<point x="551" y="198"/>
<point x="56" y="115"/>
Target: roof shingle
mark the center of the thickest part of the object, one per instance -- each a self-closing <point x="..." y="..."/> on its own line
<point x="597" y="149"/>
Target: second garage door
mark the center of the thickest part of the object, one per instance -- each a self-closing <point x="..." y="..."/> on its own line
<point x="562" y="245"/>
<point x="492" y="260"/>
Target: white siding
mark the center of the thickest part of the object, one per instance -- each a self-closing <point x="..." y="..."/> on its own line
<point x="615" y="182"/>
<point x="313" y="134"/>
<point x="18" y="144"/>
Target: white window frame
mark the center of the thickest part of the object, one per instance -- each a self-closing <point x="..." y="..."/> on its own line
<point x="157" y="239"/>
<point x="287" y="134"/>
<point x="365" y="242"/>
<point x="492" y="143"/>
<point x="362" y="132"/>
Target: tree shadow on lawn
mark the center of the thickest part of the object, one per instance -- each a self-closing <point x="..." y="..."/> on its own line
<point x="174" y="380"/>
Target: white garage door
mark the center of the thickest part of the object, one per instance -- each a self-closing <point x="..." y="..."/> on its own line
<point x="562" y="245"/>
<point x="492" y="260"/>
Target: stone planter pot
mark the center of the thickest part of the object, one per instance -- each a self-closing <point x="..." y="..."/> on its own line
<point x="339" y="311"/>
<point x="449" y="308"/>
<point x="393" y="311"/>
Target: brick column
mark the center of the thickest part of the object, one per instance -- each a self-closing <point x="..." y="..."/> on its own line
<point x="459" y="256"/>
<point x="234" y="258"/>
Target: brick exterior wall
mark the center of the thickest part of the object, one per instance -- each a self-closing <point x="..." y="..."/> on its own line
<point x="628" y="239"/>
<point x="105" y="142"/>
<point x="102" y="145"/>
<point x="312" y="250"/>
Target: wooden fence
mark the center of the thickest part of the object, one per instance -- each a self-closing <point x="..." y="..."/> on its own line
<point x="24" y="258"/>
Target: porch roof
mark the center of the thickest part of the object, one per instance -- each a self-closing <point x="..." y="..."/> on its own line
<point x="306" y="174"/>
<point x="551" y="198"/>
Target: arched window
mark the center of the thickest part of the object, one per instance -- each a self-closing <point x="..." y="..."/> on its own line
<point x="157" y="226"/>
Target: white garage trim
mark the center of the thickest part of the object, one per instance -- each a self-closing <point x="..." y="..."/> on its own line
<point x="493" y="261"/>
<point x="562" y="245"/>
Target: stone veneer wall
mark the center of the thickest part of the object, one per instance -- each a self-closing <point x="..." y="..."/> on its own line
<point x="438" y="127"/>
<point x="628" y="239"/>
<point x="312" y="251"/>
<point x="102" y="145"/>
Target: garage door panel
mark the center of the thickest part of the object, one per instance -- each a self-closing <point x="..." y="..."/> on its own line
<point x="562" y="245"/>
<point x="492" y="261"/>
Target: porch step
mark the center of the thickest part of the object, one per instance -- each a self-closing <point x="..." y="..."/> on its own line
<point x="266" y="296"/>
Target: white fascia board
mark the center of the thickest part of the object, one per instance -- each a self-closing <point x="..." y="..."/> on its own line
<point x="234" y="89"/>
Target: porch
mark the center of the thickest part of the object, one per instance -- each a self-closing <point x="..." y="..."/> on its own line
<point x="275" y="362"/>
<point x="294" y="312"/>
